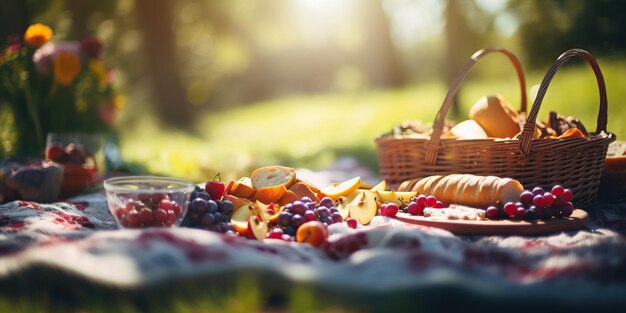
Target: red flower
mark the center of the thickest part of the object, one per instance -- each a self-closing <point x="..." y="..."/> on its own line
<point x="91" y="47"/>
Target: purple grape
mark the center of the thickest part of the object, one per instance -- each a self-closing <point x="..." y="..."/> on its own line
<point x="227" y="207"/>
<point x="327" y="202"/>
<point x="311" y="205"/>
<point x="297" y="220"/>
<point x="203" y="195"/>
<point x="200" y="205"/>
<point x="309" y="215"/>
<point x="549" y="198"/>
<point x="333" y="210"/>
<point x="306" y="199"/>
<point x="337" y="218"/>
<point x="521" y="213"/>
<point x="492" y="213"/>
<point x="288" y="208"/>
<point x="323" y="211"/>
<point x="212" y="206"/>
<point x="326" y="220"/>
<point x="298" y="207"/>
<point x="208" y="219"/>
<point x="530" y="215"/>
<point x="526" y="197"/>
<point x="284" y="219"/>
<point x="568" y="209"/>
<point x="538" y="191"/>
<point x="290" y="230"/>
<point x="539" y="200"/>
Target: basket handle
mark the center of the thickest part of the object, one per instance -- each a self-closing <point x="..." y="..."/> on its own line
<point x="529" y="127"/>
<point x="432" y="145"/>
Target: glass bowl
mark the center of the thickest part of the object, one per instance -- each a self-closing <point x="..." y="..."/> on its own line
<point x="147" y="201"/>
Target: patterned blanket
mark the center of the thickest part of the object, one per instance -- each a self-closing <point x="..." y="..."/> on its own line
<point x="81" y="238"/>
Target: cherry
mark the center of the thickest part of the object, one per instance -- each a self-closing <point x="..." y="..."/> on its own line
<point x="215" y="188"/>
<point x="351" y="223"/>
<point x="160" y="215"/>
<point x="275" y="233"/>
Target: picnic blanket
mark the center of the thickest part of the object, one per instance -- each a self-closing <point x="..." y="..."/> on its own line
<point x="582" y="269"/>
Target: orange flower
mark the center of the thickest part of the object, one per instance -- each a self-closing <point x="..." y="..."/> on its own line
<point x="66" y="67"/>
<point x="37" y="35"/>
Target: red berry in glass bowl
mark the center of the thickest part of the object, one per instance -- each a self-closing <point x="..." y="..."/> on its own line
<point x="147" y="201"/>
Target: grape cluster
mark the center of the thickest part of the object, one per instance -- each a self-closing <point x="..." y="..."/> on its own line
<point x="300" y="211"/>
<point x="206" y="213"/>
<point x="536" y="204"/>
<point x="417" y="204"/>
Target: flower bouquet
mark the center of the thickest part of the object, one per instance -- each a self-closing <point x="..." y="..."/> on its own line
<point x="61" y="87"/>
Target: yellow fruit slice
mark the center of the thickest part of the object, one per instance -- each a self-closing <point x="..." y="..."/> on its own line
<point x="342" y="189"/>
<point x="380" y="186"/>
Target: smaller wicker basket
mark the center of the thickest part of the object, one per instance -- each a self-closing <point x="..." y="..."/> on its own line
<point x="576" y="163"/>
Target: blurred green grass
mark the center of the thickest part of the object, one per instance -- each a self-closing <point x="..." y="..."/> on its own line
<point x="312" y="131"/>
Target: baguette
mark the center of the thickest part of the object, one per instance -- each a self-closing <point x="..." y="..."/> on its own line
<point x="270" y="176"/>
<point x="470" y="190"/>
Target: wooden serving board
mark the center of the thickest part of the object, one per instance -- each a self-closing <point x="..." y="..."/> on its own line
<point x="579" y="219"/>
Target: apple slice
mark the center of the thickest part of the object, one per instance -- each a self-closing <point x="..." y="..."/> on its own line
<point x="380" y="186"/>
<point x="243" y="213"/>
<point x="345" y="202"/>
<point x="257" y="229"/>
<point x="240" y="226"/>
<point x="397" y="197"/>
<point x="335" y="191"/>
<point x="363" y="211"/>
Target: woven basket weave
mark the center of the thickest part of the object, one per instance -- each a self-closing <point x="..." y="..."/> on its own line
<point x="576" y="163"/>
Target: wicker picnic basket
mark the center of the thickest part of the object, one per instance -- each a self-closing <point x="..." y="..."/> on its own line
<point x="576" y="163"/>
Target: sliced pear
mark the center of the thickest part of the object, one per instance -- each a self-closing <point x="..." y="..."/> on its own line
<point x="397" y="197"/>
<point x="366" y="208"/>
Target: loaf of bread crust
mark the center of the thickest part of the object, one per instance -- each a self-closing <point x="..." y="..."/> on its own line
<point x="466" y="189"/>
<point x="273" y="176"/>
<point x="496" y="117"/>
